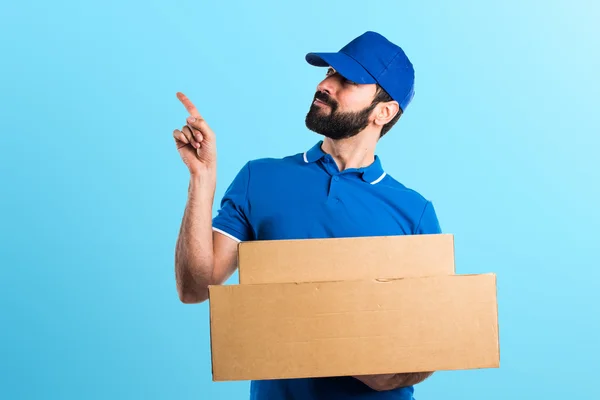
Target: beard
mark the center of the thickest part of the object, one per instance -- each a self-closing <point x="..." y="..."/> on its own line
<point x="336" y="125"/>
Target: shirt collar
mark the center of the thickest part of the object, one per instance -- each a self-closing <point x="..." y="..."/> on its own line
<point x="372" y="174"/>
<point x="315" y="153"/>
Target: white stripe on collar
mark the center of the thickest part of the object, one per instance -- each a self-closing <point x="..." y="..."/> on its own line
<point x="379" y="179"/>
<point x="372" y="183"/>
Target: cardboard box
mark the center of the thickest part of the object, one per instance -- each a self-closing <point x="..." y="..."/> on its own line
<point x="319" y="260"/>
<point x="318" y="329"/>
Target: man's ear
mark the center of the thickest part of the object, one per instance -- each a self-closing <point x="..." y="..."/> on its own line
<point x="385" y="112"/>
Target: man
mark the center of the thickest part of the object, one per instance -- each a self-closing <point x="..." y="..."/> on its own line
<point x="338" y="188"/>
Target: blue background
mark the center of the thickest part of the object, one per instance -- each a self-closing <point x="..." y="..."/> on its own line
<point x="503" y="136"/>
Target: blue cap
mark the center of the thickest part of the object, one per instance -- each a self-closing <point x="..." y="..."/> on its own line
<point x="369" y="59"/>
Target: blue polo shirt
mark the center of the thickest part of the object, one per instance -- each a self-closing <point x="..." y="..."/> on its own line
<point x="306" y="196"/>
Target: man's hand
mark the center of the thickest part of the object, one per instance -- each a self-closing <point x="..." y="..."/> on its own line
<point x="196" y="142"/>
<point x="393" y="381"/>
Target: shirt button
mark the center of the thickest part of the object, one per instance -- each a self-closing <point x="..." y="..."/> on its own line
<point x="336" y="178"/>
<point x="337" y="199"/>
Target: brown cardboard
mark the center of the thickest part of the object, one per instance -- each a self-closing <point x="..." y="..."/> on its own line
<point x="317" y="260"/>
<point x="293" y="330"/>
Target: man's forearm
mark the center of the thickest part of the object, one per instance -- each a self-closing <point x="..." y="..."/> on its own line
<point x="194" y="257"/>
<point x="393" y="381"/>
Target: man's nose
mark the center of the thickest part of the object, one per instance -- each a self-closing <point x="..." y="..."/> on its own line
<point x="327" y="85"/>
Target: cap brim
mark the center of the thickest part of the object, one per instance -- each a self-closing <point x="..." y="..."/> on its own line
<point x="345" y="65"/>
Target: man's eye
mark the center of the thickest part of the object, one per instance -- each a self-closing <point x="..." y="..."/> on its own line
<point x="344" y="80"/>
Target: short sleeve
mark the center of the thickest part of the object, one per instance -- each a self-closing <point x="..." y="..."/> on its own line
<point x="232" y="216"/>
<point x="428" y="223"/>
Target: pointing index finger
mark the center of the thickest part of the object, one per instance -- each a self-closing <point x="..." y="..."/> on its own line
<point x="187" y="103"/>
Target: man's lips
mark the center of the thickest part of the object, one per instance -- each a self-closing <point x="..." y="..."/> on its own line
<point x="320" y="102"/>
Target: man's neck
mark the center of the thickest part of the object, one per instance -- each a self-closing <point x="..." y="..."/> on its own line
<point x="354" y="152"/>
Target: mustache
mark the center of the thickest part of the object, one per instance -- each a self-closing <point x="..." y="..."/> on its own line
<point x="325" y="98"/>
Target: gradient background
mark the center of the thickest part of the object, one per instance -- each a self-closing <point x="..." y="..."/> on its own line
<point x="503" y="136"/>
